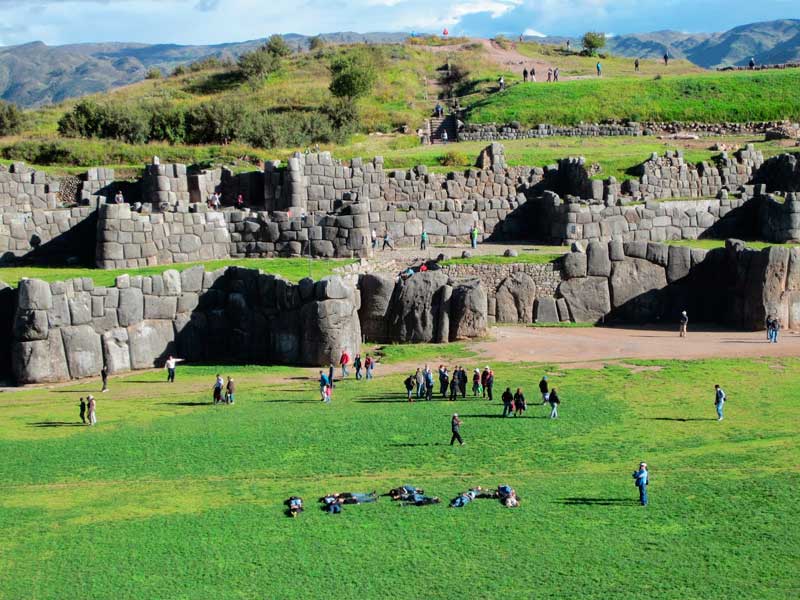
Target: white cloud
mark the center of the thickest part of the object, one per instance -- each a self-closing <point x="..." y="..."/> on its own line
<point x="533" y="33"/>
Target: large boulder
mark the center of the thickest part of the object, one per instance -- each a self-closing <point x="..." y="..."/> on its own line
<point x="546" y="310"/>
<point x="775" y="280"/>
<point x="468" y="310"/>
<point x="131" y="306"/>
<point x="414" y="306"/>
<point x="34" y="294"/>
<point x="116" y="353"/>
<point x="42" y="361"/>
<point x="574" y="265"/>
<point x="514" y="298"/>
<point x="598" y="261"/>
<point x="636" y="286"/>
<point x="376" y="295"/>
<point x="328" y="327"/>
<point x="333" y="287"/>
<point x="30" y="325"/>
<point x="150" y="342"/>
<point x="84" y="351"/>
<point x="587" y="298"/>
<point x="680" y="263"/>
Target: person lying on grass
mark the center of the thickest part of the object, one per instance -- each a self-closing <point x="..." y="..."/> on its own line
<point x="350" y="498"/>
<point x="421" y="500"/>
<point x="508" y="496"/>
<point x="405" y="492"/>
<point x="466" y="497"/>
<point x="295" y="506"/>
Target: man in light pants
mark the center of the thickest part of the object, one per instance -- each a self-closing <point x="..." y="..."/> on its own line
<point x="719" y="401"/>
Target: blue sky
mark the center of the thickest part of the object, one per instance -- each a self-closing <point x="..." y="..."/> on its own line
<point x="215" y="21"/>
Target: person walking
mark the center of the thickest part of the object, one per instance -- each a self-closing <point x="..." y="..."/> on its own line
<point x="419" y="377"/>
<point x="484" y="380"/>
<point x="387" y="241"/>
<point x="752" y="63"/>
<point x="473" y="236"/>
<point x="327" y="394"/>
<point x="410" y="382"/>
<point x="104" y="377"/>
<point x="357" y="366"/>
<point x="423" y="240"/>
<point x="544" y="390"/>
<point x="636" y="66"/>
<point x="684" y="324"/>
<point x="640" y="480"/>
<point x="444" y="380"/>
<point x="773" y="330"/>
<point x="323" y="383"/>
<point x="344" y="360"/>
<point x="369" y="365"/>
<point x="83" y="411"/>
<point x="230" y="391"/>
<point x="666" y="59"/>
<point x="428" y="383"/>
<point x="525" y="75"/>
<point x="508" y="399"/>
<point x="455" y="426"/>
<point x="519" y="403"/>
<point x="549" y="74"/>
<point x="533" y="74"/>
<point x="92" y="406"/>
<point x="217" y="397"/>
<point x="554" y="402"/>
<point x="599" y="68"/>
<point x="374" y="236"/>
<point x="719" y="401"/>
<point x="556" y="73"/>
<point x="445" y="137"/>
<point x="170" y="366"/>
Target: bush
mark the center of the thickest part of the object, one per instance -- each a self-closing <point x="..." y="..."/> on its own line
<point x="204" y="64"/>
<point x="343" y="115"/>
<point x="167" y="123"/>
<point x="593" y="40"/>
<point x="153" y="73"/>
<point x="353" y="75"/>
<point x="84" y="120"/>
<point x="503" y="42"/>
<point x="277" y="46"/>
<point x="214" y="122"/>
<point x="316" y="43"/>
<point x="455" y="159"/>
<point x="257" y="64"/>
<point x="179" y="70"/>
<point x="11" y="118"/>
<point x="273" y="130"/>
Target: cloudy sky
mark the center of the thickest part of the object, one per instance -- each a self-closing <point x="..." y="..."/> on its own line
<point x="215" y="21"/>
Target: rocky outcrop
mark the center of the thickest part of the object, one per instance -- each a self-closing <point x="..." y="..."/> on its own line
<point x="514" y="299"/>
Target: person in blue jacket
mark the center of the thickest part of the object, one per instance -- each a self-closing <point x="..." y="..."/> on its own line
<point x="640" y="480"/>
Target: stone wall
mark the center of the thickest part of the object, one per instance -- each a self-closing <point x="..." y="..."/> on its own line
<point x="56" y="236"/>
<point x="779" y="218"/>
<point x="780" y="173"/>
<point x="23" y="190"/>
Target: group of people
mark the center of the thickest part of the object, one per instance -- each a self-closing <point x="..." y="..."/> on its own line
<point x="505" y="493"/>
<point x="530" y="75"/>
<point x="363" y="370"/>
<point x="214" y="201"/>
<point x="88" y="409"/>
<point x="229" y="390"/>
<point x="421" y="384"/>
<point x="773" y="326"/>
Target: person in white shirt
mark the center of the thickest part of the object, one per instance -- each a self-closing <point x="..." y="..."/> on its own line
<point x="170" y="366"/>
<point x="719" y="401"/>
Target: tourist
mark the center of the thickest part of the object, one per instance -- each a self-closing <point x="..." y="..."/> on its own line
<point x="170" y="367"/>
<point x="455" y="426"/>
<point x="525" y="75"/>
<point x="477" y="388"/>
<point x="636" y="65"/>
<point x="752" y="63"/>
<point x="240" y="201"/>
<point x="423" y="240"/>
<point x="455" y="384"/>
<point x="421" y="500"/>
<point x="473" y="236"/>
<point x="519" y="403"/>
<point x="444" y="380"/>
<point x="445" y="137"/>
<point x="294" y="506"/>
<point x="331" y="504"/>
<point x="508" y="400"/>
<point x="352" y="497"/>
<point x="230" y="391"/>
<point x="419" y="378"/>
<point x="684" y="324"/>
<point x="369" y="365"/>
<point x="92" y="406"/>
<point x="719" y="401"/>
<point x="556" y="72"/>
<point x="544" y="390"/>
<point x="666" y="59"/>
<point x="330" y="375"/>
<point x="502" y="83"/>
<point x="554" y="401"/>
<point x="119" y="198"/>
<point x="533" y="74"/>
<point x="323" y="383"/>
<point x="640" y="480"/>
<point x="404" y="492"/>
<point x="463" y="382"/>
<point x="344" y="360"/>
<point x="568" y="45"/>
<point x="508" y="496"/>
<point x="217" y="397"/>
<point x="490" y="385"/>
<point x="410" y="382"/>
<point x="428" y="383"/>
<point x="599" y="68"/>
<point x="83" y="411"/>
<point x="104" y="377"/>
<point x="549" y="74"/>
<point x="357" y="366"/>
<point x="438" y="111"/>
<point x="773" y="325"/>
<point x="327" y="394"/>
<point x="387" y="241"/>
<point x="374" y="236"/>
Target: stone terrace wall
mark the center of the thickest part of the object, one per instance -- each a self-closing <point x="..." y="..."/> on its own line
<point x="779" y="221"/>
<point x="57" y="235"/>
<point x="22" y="189"/>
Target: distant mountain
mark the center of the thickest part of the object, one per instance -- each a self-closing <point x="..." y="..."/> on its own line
<point x="35" y="74"/>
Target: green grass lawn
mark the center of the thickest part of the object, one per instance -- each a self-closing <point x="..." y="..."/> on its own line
<point x="171" y="497"/>
<point x="293" y="269"/>
<point x="547" y="256"/>
<point x="709" y="244"/>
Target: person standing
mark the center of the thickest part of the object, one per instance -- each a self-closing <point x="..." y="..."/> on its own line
<point x="776" y="325"/>
<point x="327" y="394"/>
<point x="428" y="383"/>
<point x="484" y="380"/>
<point x="230" y="390"/>
<point x="525" y="75"/>
<point x="104" y="377"/>
<point x="544" y="390"/>
<point x="752" y="63"/>
<point x="719" y="401"/>
<point x="330" y="375"/>
<point x="170" y="366"/>
<point x="218" y="389"/>
<point x="462" y="382"/>
<point x="369" y="364"/>
<point x="556" y="73"/>
<point x="508" y="399"/>
<point x="374" y="236"/>
<point x="554" y="402"/>
<point x="83" y="411"/>
<point x="444" y="380"/>
<point x="92" y="408"/>
<point x="599" y="68"/>
<point x="323" y="383"/>
<point x="445" y="137"/>
<point x="666" y="59"/>
<point x="455" y="384"/>
<point x="684" y="323"/>
<point x="419" y="379"/>
<point x="344" y="360"/>
<point x="357" y="366"/>
<point x="455" y="426"/>
<point x="473" y="236"/>
<point x="549" y="74"/>
<point x="490" y="385"/>
<point x="640" y="480"/>
<point x="533" y="74"/>
<point x="636" y="66"/>
<point x="423" y="240"/>
<point x="476" y="383"/>
<point x="519" y="403"/>
<point x="409" y="383"/>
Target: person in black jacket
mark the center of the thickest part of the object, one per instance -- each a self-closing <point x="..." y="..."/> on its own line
<point x="554" y="402"/>
<point x="544" y="389"/>
<point x="508" y="399"/>
<point x="455" y="426"/>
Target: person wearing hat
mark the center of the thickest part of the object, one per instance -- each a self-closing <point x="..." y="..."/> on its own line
<point x="684" y="323"/>
<point x="484" y="380"/>
<point x="640" y="480"/>
<point x="544" y="389"/>
<point x="455" y="425"/>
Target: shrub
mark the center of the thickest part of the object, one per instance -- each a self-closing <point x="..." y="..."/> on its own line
<point x="204" y="64"/>
<point x="214" y="122"/>
<point x="593" y="40"/>
<point x="84" y="120"/>
<point x="455" y="159"/>
<point x="257" y="64"/>
<point x="167" y="123"/>
<point x="179" y="70"/>
<point x="353" y="75"/>
<point x="11" y="118"/>
<point x="343" y="115"/>
<point x="271" y="130"/>
<point x="153" y="73"/>
<point x="277" y="46"/>
<point x="316" y="43"/>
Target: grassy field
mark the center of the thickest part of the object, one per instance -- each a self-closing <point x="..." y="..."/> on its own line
<point x="709" y="244"/>
<point x="547" y="254"/>
<point x="171" y="497"/>
<point x="714" y="98"/>
<point x="293" y="269"/>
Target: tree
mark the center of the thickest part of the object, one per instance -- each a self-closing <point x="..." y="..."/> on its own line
<point x="593" y="41"/>
<point x="257" y="64"/>
<point x="353" y="75"/>
<point x="316" y="43"/>
<point x="11" y="118"/>
<point x="277" y="46"/>
<point x="153" y="73"/>
<point x="216" y="122"/>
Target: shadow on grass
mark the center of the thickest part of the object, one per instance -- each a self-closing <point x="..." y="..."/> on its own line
<point x="186" y="403"/>
<point x="293" y="401"/>
<point x="388" y="399"/>
<point x="417" y="445"/>
<point x="143" y="381"/>
<point x="85" y="392"/>
<point x="599" y="501"/>
<point x="56" y="424"/>
<point x="680" y="419"/>
<point x="500" y="416"/>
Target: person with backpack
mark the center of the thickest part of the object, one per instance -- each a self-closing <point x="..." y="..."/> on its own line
<point x="92" y="405"/>
<point x="455" y="426"/>
<point x="554" y="402"/>
<point x="719" y="401"/>
<point x="410" y="382"/>
<point x="323" y="383"/>
<point x="508" y="399"/>
<point x="640" y="480"/>
<point x="544" y="390"/>
<point x="357" y="366"/>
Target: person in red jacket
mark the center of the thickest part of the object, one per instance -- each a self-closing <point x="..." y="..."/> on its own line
<point x="344" y="360"/>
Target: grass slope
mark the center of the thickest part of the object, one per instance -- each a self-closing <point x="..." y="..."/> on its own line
<point x="713" y="98"/>
<point x="169" y="497"/>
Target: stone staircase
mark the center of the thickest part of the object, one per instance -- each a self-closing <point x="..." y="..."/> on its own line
<point x="438" y="125"/>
